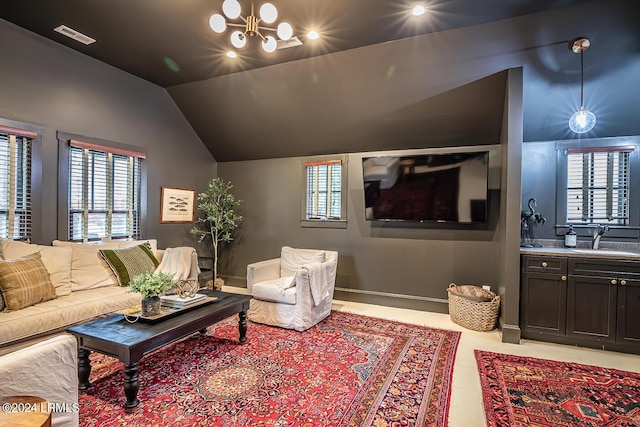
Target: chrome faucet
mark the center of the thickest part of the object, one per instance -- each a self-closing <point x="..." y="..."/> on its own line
<point x="597" y="234"/>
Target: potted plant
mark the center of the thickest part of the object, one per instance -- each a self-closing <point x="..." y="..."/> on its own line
<point x="219" y="219"/>
<point x="150" y="285"/>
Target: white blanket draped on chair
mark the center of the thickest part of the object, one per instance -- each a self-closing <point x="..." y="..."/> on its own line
<point x="181" y="262"/>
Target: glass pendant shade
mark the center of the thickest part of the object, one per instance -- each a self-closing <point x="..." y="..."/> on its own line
<point x="217" y="23"/>
<point x="238" y="40"/>
<point x="231" y="8"/>
<point x="270" y="44"/>
<point x="285" y="31"/>
<point x="268" y="13"/>
<point x="582" y="121"/>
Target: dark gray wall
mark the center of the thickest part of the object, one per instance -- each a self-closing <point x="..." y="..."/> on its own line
<point x="416" y="263"/>
<point x="539" y="181"/>
<point x="46" y="84"/>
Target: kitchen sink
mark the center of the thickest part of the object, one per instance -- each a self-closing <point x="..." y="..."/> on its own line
<point x="605" y="252"/>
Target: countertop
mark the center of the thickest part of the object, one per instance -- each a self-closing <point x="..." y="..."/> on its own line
<point x="608" y="253"/>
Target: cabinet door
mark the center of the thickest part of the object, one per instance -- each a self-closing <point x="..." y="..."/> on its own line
<point x="543" y="304"/>
<point x="629" y="311"/>
<point x="591" y="308"/>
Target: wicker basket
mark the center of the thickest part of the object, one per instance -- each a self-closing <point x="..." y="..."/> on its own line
<point x="472" y="314"/>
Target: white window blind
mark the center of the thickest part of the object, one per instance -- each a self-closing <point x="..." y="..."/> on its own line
<point x="324" y="190"/>
<point x="15" y="183"/>
<point x="598" y="185"/>
<point x="104" y="192"/>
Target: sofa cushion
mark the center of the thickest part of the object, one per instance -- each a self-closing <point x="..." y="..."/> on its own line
<point x="88" y="269"/>
<point x="129" y="262"/>
<point x="273" y="290"/>
<point x="57" y="261"/>
<point x="25" y="281"/>
<point x="292" y="259"/>
<point x="60" y="313"/>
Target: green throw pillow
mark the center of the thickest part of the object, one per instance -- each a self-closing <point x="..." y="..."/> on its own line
<point x="129" y="262"/>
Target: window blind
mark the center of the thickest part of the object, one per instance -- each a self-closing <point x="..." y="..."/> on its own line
<point x="15" y="183"/>
<point x="324" y="190"/>
<point x="598" y="185"/>
<point x="104" y="192"/>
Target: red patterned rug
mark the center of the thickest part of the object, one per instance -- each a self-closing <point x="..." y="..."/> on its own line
<point x="524" y="391"/>
<point x="348" y="370"/>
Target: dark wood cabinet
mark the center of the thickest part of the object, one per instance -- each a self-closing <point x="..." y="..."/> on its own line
<point x="543" y="307"/>
<point x="581" y="301"/>
<point x="629" y="312"/>
<point x="591" y="308"/>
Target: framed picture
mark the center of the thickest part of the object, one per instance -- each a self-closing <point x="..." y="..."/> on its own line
<point x="176" y="205"/>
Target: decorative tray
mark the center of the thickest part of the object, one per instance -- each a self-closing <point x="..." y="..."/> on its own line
<point x="134" y="314"/>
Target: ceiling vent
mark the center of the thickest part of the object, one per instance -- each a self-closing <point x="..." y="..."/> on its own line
<point x="71" y="33"/>
<point x="292" y="42"/>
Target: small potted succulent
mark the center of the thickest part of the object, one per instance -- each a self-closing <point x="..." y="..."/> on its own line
<point x="150" y="285"/>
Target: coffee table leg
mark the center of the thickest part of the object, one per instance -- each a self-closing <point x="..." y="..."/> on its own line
<point x="242" y="325"/>
<point x="84" y="368"/>
<point x="131" y="385"/>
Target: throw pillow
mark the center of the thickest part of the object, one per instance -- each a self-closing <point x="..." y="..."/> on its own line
<point x="88" y="269"/>
<point x="57" y="261"/>
<point x="291" y="259"/>
<point x="129" y="262"/>
<point x="25" y="281"/>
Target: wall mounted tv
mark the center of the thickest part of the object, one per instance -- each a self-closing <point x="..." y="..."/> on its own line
<point x="430" y="188"/>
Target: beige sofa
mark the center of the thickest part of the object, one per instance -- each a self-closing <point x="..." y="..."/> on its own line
<point x="34" y="349"/>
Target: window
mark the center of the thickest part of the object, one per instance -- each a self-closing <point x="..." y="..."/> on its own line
<point x="15" y="182"/>
<point x="103" y="192"/>
<point x="324" y="194"/>
<point x="598" y="185"/>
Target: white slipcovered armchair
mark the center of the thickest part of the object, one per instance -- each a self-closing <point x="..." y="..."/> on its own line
<point x="294" y="291"/>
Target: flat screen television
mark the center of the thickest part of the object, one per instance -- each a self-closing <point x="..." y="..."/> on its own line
<point x="440" y="188"/>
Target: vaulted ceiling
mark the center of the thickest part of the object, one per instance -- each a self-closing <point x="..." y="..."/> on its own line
<point x="377" y="78"/>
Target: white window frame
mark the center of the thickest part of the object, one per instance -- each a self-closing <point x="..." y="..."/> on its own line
<point x="310" y="218"/>
<point x="83" y="201"/>
<point x="627" y="227"/>
<point x="21" y="186"/>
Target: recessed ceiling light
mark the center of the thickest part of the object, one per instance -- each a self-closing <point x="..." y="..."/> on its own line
<point x="313" y="35"/>
<point x="232" y="54"/>
<point x="418" y="10"/>
<point x="76" y="35"/>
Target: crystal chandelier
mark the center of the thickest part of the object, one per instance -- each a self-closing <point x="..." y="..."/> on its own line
<point x="582" y="120"/>
<point x="251" y="25"/>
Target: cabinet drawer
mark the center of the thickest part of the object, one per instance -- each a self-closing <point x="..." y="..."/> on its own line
<point x="604" y="267"/>
<point x="544" y="264"/>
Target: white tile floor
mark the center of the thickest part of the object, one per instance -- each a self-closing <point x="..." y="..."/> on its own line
<point x="466" y="408"/>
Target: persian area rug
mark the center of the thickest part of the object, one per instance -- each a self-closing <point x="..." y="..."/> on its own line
<point x="348" y="370"/>
<point x="524" y="391"/>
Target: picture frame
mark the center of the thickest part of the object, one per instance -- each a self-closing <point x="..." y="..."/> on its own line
<point x="176" y="205"/>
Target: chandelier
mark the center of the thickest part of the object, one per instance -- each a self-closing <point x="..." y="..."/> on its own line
<point x="251" y="25"/>
<point x="582" y="120"/>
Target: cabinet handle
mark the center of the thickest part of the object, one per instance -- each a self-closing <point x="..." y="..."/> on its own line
<point x="544" y="264"/>
<point x="614" y="281"/>
<point x="623" y="282"/>
<point x="564" y="278"/>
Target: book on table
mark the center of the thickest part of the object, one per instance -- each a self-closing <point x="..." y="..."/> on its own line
<point x="179" y="302"/>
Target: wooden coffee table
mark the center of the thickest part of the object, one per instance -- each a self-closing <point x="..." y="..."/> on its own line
<point x="116" y="337"/>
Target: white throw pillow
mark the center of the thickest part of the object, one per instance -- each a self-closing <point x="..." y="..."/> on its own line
<point x="292" y="259"/>
<point x="88" y="269"/>
<point x="57" y="261"/>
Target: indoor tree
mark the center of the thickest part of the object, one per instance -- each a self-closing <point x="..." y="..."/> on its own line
<point x="219" y="218"/>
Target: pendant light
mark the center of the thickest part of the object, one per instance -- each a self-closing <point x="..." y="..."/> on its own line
<point x="582" y="120"/>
